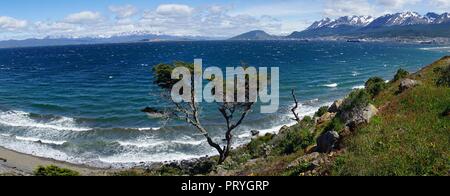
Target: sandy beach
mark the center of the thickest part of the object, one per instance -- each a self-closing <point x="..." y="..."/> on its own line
<point x="15" y="163"/>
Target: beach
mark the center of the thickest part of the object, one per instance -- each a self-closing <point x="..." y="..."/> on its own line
<point x="15" y="163"/>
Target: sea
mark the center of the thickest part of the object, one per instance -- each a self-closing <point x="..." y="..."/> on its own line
<point x="82" y="104"/>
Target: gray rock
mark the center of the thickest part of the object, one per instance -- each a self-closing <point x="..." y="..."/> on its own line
<point x="335" y="108"/>
<point x="359" y="116"/>
<point x="325" y="118"/>
<point x="407" y="84"/>
<point x="254" y="132"/>
<point x="327" y="141"/>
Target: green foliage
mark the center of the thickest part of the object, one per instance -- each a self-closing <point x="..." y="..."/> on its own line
<point x="356" y="100"/>
<point x="401" y="74"/>
<point x="335" y="125"/>
<point x="257" y="145"/>
<point x="321" y="111"/>
<point x="163" y="73"/>
<point x="443" y="76"/>
<point x="296" y="171"/>
<point x="374" y="86"/>
<point x="295" y="140"/>
<point x="54" y="171"/>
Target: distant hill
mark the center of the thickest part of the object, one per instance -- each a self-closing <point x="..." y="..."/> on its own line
<point x="126" y="38"/>
<point x="255" y="35"/>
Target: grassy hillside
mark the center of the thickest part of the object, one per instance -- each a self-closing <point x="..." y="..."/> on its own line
<point x="410" y="136"/>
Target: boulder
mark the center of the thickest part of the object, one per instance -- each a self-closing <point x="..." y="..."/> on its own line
<point x="407" y="84"/>
<point x="335" y="108"/>
<point x="359" y="116"/>
<point x="327" y="141"/>
<point x="254" y="132"/>
<point x="326" y="117"/>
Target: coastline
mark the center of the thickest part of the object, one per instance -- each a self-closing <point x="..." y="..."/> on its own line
<point x="16" y="163"/>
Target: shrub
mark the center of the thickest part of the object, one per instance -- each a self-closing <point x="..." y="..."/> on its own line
<point x="54" y="171"/>
<point x="321" y="111"/>
<point x="296" y="139"/>
<point x="257" y="145"/>
<point x="401" y="73"/>
<point x="358" y="99"/>
<point x="444" y="76"/>
<point x="335" y="125"/>
<point x="375" y="85"/>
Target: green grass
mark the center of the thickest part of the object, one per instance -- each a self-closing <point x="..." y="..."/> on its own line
<point x="410" y="137"/>
<point x="54" y="171"/>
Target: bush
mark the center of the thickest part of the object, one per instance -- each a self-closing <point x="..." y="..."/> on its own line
<point x="401" y="74"/>
<point x="54" y="171"/>
<point x="375" y="85"/>
<point x="444" y="76"/>
<point x="257" y="145"/>
<point x="295" y="140"/>
<point x="358" y="99"/>
<point x="321" y="111"/>
<point x="335" y="125"/>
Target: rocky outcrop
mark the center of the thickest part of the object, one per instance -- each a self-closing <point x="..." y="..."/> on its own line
<point x="325" y="118"/>
<point x="254" y="133"/>
<point x="327" y="142"/>
<point x="407" y="84"/>
<point x="359" y="116"/>
<point x="336" y="107"/>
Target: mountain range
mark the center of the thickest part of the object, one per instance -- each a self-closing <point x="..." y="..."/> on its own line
<point x="405" y="24"/>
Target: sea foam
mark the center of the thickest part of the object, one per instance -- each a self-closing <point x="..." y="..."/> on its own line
<point x="23" y="119"/>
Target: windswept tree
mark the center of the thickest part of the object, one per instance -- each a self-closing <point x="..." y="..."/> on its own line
<point x="233" y="111"/>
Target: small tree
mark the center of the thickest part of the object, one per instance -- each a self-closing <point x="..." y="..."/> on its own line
<point x="234" y="113"/>
<point x="375" y="85"/>
<point x="401" y="74"/>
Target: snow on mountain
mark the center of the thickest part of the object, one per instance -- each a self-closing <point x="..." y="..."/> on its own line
<point x="355" y="21"/>
<point x="398" y="19"/>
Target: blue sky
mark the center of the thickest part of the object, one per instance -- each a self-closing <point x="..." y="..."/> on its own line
<point x="20" y="19"/>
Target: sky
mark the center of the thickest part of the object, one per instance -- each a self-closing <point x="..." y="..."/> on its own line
<point x="22" y="19"/>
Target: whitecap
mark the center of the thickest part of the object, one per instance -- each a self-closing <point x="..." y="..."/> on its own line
<point x="359" y="87"/>
<point x="142" y="144"/>
<point x="149" y="128"/>
<point x="31" y="139"/>
<point x="22" y="119"/>
<point x="334" y="85"/>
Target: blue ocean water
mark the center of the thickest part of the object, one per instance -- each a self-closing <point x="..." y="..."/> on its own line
<point x="82" y="103"/>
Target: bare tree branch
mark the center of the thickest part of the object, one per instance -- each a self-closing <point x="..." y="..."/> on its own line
<point x="294" y="109"/>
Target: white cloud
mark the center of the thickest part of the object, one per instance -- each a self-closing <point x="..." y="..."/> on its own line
<point x="174" y="10"/>
<point x="124" y="11"/>
<point x="440" y="3"/>
<point x="85" y="17"/>
<point x="396" y="3"/>
<point x="336" y="8"/>
<point x="10" y="24"/>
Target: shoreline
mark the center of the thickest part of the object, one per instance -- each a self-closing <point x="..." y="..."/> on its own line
<point x="16" y="163"/>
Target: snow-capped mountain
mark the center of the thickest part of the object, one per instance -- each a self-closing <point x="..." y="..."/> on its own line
<point x="398" y="19"/>
<point x="409" y="18"/>
<point x="353" y="21"/>
<point x="391" y="25"/>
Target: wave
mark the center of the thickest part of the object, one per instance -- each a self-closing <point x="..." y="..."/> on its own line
<point x="152" y="143"/>
<point x="334" y="85"/>
<point x="359" y="87"/>
<point x="443" y="48"/>
<point x="149" y="129"/>
<point x="23" y="119"/>
<point x="303" y="111"/>
<point x="31" y="139"/>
